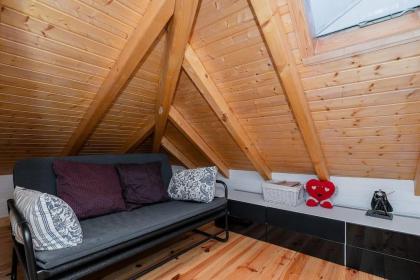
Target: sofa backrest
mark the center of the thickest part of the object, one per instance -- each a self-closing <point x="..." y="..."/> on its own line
<point x="38" y="174"/>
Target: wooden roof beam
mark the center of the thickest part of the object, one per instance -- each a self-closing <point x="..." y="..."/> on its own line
<point x="285" y="66"/>
<point x="139" y="136"/>
<point x="171" y="148"/>
<point x="178" y="37"/>
<point x="143" y="36"/>
<point x="183" y="125"/>
<point x="208" y="89"/>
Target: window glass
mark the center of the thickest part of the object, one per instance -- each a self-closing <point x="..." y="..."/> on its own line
<point x="328" y="16"/>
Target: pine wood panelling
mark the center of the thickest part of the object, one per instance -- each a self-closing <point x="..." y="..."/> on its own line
<point x="188" y="149"/>
<point x="238" y="62"/>
<point x="30" y="22"/>
<point x="173" y="150"/>
<point x="138" y="137"/>
<point x="365" y="108"/>
<point x="367" y="87"/>
<point x="382" y="70"/>
<point x="364" y="99"/>
<point x="54" y="55"/>
<point x="394" y="53"/>
<point x="199" y="114"/>
<point x="198" y="74"/>
<point x="179" y="121"/>
<point x="275" y="29"/>
<point x="132" y="109"/>
<point x="145" y="34"/>
<point x="145" y="146"/>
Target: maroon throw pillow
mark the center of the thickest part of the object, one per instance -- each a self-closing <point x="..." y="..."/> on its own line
<point x="90" y="189"/>
<point x="142" y="183"/>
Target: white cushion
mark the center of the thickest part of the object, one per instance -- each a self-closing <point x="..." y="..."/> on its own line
<point x="194" y="184"/>
<point x="52" y="222"/>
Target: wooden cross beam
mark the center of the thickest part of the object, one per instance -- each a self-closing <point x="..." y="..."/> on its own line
<point x="208" y="89"/>
<point x="285" y="66"/>
<point x="139" y="136"/>
<point x="178" y="37"/>
<point x="183" y="125"/>
<point x="154" y="20"/>
<point x="171" y="148"/>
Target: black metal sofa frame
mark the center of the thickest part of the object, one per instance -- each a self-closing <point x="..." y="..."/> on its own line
<point x="38" y="172"/>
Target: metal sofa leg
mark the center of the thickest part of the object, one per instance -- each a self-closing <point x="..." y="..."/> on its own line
<point x="13" y="274"/>
<point x="215" y="236"/>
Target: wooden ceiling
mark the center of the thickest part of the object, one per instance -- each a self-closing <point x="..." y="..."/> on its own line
<point x="250" y="102"/>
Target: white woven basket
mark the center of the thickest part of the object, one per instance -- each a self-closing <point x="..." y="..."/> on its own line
<point x="291" y="196"/>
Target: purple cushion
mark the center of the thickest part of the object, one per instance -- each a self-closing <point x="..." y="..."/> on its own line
<point x="90" y="189"/>
<point x="142" y="183"/>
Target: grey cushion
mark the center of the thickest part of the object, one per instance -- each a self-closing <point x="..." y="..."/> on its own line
<point x="194" y="184"/>
<point x="106" y="231"/>
<point x="38" y="174"/>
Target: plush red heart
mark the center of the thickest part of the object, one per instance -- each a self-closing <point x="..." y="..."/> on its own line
<point x="320" y="190"/>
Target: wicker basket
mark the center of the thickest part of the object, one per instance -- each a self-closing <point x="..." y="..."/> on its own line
<point x="280" y="192"/>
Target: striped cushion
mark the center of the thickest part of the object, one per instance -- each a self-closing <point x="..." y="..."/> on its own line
<point x="52" y="222"/>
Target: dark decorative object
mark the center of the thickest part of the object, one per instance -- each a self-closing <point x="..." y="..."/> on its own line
<point x="381" y="208"/>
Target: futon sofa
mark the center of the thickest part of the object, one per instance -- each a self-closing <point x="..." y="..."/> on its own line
<point x="111" y="238"/>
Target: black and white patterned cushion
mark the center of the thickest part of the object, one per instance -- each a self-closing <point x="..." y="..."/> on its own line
<point x="193" y="184"/>
<point x="52" y="222"/>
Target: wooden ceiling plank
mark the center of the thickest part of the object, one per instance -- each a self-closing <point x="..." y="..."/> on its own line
<point x="276" y="40"/>
<point x="184" y="126"/>
<point x="139" y="137"/>
<point x="157" y="15"/>
<point x="198" y="74"/>
<point x="171" y="148"/>
<point x="178" y="36"/>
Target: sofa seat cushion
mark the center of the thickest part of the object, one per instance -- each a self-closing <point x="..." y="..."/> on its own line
<point x="106" y="231"/>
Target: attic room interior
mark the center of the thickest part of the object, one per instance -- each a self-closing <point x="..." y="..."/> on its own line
<point x="209" y="139"/>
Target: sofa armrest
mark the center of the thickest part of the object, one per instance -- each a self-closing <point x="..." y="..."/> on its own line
<point x="23" y="225"/>
<point x="224" y="186"/>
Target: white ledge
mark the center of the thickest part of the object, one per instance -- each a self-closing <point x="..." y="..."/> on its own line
<point x="403" y="224"/>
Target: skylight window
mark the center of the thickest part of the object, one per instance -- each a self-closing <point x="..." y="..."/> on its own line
<point x="328" y="16"/>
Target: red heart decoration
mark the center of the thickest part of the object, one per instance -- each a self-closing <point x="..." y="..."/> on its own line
<point x="320" y="190"/>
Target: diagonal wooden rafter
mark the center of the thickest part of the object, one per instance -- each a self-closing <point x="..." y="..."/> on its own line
<point x="183" y="125"/>
<point x="139" y="136"/>
<point x="208" y="89"/>
<point x="417" y="179"/>
<point x="178" y="37"/>
<point x="143" y="36"/>
<point x="171" y="148"/>
<point x="277" y="43"/>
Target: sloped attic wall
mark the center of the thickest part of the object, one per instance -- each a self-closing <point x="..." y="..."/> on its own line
<point x="367" y="108"/>
<point x="133" y="108"/>
<point x="198" y="113"/>
<point x="228" y="42"/>
<point x="54" y="55"/>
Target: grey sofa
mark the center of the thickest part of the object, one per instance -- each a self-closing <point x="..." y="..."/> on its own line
<point x="111" y="238"/>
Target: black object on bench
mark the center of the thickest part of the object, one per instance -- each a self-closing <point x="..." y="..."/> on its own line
<point x="111" y="238"/>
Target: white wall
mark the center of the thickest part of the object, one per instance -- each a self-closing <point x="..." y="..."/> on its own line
<point x="352" y="192"/>
<point x="6" y="192"/>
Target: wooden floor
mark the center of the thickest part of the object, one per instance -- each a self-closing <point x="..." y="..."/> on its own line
<point x="241" y="258"/>
<point x="244" y="258"/>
